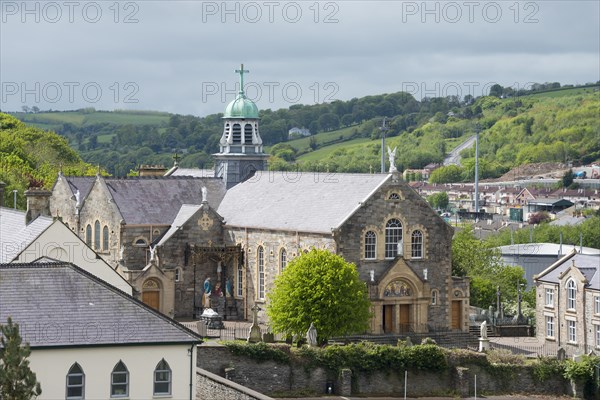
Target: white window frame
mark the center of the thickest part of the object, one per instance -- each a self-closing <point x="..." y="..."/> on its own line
<point x="69" y="385"/>
<point x="113" y="384"/>
<point x="370" y="245"/>
<point x="177" y="274"/>
<point x="169" y="381"/>
<point x="549" y="326"/>
<point x="549" y="297"/>
<point x="596" y="304"/>
<point x="416" y="244"/>
<point x="572" y="331"/>
<point x="393" y="236"/>
<point x="571" y="294"/>
<point x="434" y="296"/>
<point x="597" y="335"/>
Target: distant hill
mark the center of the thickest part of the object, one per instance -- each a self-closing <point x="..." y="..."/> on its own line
<point x="346" y="134"/>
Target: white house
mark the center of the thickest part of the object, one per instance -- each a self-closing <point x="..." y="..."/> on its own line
<point x="47" y="238"/>
<point x="91" y="340"/>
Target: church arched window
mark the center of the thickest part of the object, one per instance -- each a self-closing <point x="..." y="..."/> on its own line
<point x="393" y="237"/>
<point x="416" y="244"/>
<point x="282" y="259"/>
<point x="162" y="378"/>
<point x="75" y="382"/>
<point x="370" y="245"/>
<point x="119" y="381"/>
<point x="97" y="235"/>
<point x="88" y="235"/>
<point x="260" y="259"/>
<point x="571" y="291"/>
<point x="105" y="238"/>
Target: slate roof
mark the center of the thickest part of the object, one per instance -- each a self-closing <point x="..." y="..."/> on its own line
<point x="185" y="213"/>
<point x="82" y="183"/>
<point x="589" y="266"/>
<point x="59" y="304"/>
<point x="15" y="235"/>
<point x="157" y="200"/>
<point x="547" y="249"/>
<point x="306" y="202"/>
<point x="195" y="172"/>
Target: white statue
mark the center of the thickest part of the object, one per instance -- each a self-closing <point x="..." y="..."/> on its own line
<point x="204" y="194"/>
<point x="483" y="330"/>
<point x="401" y="247"/>
<point x="392" y="157"/>
<point x="311" y="335"/>
<point x="122" y="253"/>
<point x="372" y="274"/>
<point x="152" y="251"/>
<point x="77" y="199"/>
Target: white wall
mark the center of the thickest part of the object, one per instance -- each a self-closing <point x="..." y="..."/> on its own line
<point x="58" y="242"/>
<point x="52" y="365"/>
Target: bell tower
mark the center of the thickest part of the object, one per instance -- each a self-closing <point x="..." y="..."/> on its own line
<point x="241" y="149"/>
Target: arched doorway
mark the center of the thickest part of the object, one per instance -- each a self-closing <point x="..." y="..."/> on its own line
<point x="151" y="293"/>
<point x="397" y="307"/>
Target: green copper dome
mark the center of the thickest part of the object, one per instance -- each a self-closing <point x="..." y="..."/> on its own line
<point x="241" y="107"/>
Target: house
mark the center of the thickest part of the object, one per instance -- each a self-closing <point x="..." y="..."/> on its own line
<point x="91" y="340"/>
<point x="568" y="303"/>
<point x="298" y="132"/>
<point x="234" y="232"/>
<point x="22" y="241"/>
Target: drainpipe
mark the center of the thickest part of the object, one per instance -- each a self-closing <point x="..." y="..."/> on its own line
<point x="191" y="351"/>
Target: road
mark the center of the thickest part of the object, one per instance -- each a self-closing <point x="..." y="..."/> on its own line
<point x="453" y="158"/>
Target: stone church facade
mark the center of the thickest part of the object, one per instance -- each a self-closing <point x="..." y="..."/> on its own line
<point x="236" y="231"/>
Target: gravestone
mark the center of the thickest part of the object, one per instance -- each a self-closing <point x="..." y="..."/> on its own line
<point x="255" y="334"/>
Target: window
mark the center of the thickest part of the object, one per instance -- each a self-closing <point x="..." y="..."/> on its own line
<point x="177" y="274"/>
<point x="162" y="378"/>
<point x="97" y="235"/>
<point x="370" y="245"/>
<point x="597" y="335"/>
<point x="88" y="235"/>
<point x="571" y="294"/>
<point x="393" y="236"/>
<point x="237" y="133"/>
<point x="434" y="295"/>
<point x="549" y="297"/>
<point x="283" y="259"/>
<point x="416" y="244"/>
<point x="240" y="277"/>
<point x="597" y="304"/>
<point x="119" y="381"/>
<point x="571" y="331"/>
<point x="248" y="134"/>
<point x="75" y="382"/>
<point x="105" y="238"/>
<point x="549" y="326"/>
<point x="394" y="196"/>
<point x="260" y="255"/>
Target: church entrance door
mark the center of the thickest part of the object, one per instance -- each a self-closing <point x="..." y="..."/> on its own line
<point x="152" y="299"/>
<point x="404" y="320"/>
<point x="456" y="314"/>
<point x="388" y="313"/>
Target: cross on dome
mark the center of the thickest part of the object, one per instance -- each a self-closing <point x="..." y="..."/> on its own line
<point x="241" y="71"/>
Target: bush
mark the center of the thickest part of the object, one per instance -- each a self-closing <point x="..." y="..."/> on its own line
<point x="260" y="351"/>
<point x="547" y="368"/>
<point x="502" y="356"/>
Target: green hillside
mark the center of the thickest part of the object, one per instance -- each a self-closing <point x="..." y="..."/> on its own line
<point x="31" y="157"/>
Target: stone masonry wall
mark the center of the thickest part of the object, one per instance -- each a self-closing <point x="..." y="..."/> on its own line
<point x="277" y="379"/>
<point x="214" y="387"/>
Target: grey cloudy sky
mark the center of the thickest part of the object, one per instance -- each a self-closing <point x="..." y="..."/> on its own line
<point x="180" y="56"/>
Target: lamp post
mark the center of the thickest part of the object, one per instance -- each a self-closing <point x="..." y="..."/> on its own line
<point x="520" y="317"/>
<point x="15" y="199"/>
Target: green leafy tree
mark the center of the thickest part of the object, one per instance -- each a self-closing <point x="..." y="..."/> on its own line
<point x="17" y="381"/>
<point x="567" y="178"/>
<point x="322" y="288"/>
<point x="447" y="174"/>
<point x="439" y="200"/>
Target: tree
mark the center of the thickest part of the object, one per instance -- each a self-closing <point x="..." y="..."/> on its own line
<point x="17" y="381"/>
<point x="322" y="288"/>
<point x="439" y="200"/>
<point x="567" y="178"/>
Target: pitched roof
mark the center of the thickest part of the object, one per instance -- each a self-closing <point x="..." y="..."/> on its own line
<point x="59" y="304"/>
<point x="307" y="202"/>
<point x="15" y="234"/>
<point x="82" y="183"/>
<point x="185" y="213"/>
<point x="588" y="265"/>
<point x="157" y="200"/>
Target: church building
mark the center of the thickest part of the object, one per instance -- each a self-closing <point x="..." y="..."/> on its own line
<point x="189" y="242"/>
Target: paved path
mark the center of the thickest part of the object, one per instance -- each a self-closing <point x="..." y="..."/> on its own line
<point x="507" y="397"/>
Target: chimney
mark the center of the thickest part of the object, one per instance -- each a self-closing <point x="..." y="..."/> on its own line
<point x="2" y="186"/>
<point x="38" y="203"/>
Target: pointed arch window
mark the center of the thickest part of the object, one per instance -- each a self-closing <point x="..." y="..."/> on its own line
<point x="283" y="259"/>
<point x="119" y="381"/>
<point x="370" y="245"/>
<point x="571" y="292"/>
<point x="75" y="383"/>
<point x="240" y="280"/>
<point x="105" y="238"/>
<point x="393" y="237"/>
<point x="97" y="235"/>
<point x="416" y="244"/>
<point x="260" y="255"/>
<point x="88" y="235"/>
<point x="162" y="378"/>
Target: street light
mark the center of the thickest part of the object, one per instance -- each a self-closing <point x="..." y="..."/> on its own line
<point x="15" y="199"/>
<point x="520" y="317"/>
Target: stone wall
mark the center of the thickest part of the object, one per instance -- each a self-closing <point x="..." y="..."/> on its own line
<point x="214" y="387"/>
<point x="278" y="379"/>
